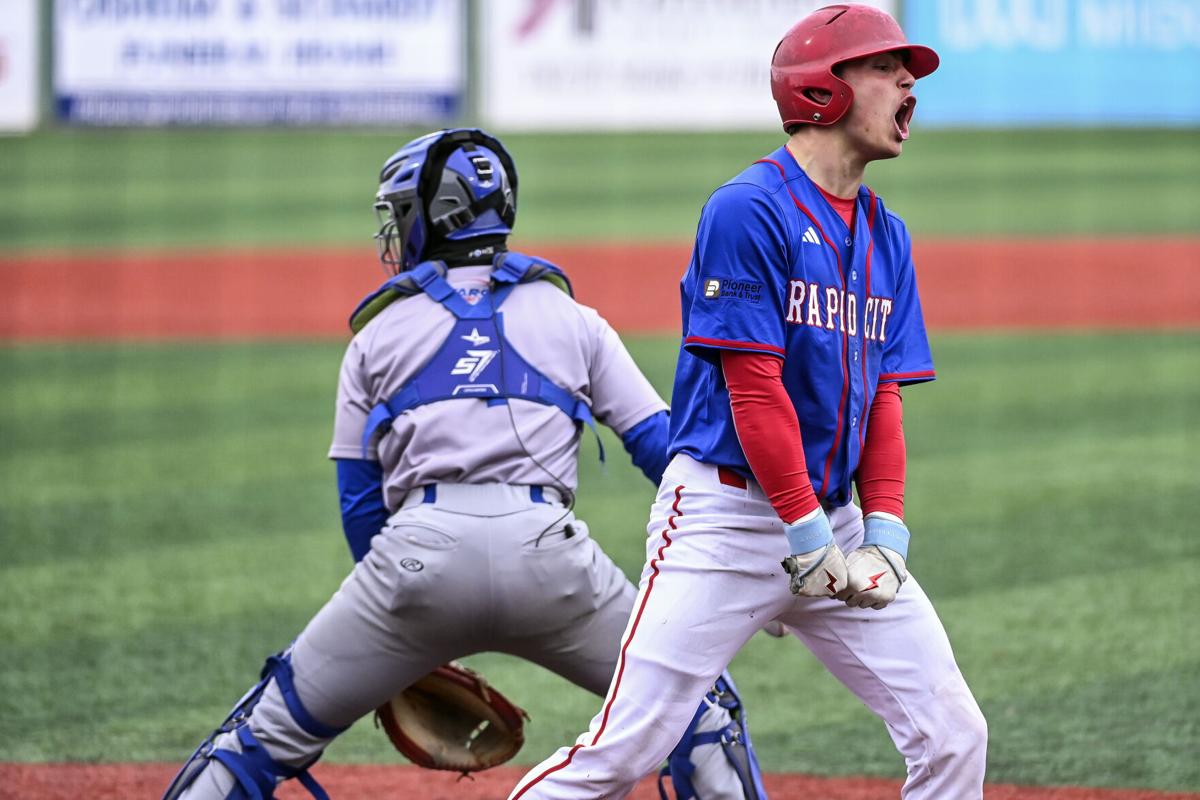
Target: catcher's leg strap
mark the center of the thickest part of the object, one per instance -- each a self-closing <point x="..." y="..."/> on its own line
<point x="242" y="766"/>
<point x="279" y="667"/>
<point x="734" y="739"/>
<point x="257" y="773"/>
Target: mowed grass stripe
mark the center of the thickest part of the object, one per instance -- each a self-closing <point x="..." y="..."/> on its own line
<point x="79" y="189"/>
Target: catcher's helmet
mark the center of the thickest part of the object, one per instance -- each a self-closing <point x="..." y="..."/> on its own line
<point x="444" y="186"/>
<point x="804" y="60"/>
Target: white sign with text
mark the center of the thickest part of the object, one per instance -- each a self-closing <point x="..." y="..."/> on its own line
<point x="633" y="64"/>
<point x="19" y="66"/>
<point x="259" y="61"/>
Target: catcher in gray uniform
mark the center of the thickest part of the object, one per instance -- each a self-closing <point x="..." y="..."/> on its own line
<point x="460" y="409"/>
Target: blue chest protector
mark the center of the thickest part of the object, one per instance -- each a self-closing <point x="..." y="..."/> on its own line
<point x="476" y="361"/>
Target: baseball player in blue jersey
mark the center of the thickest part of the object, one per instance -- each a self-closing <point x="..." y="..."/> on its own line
<point x="460" y="406"/>
<point x="801" y="322"/>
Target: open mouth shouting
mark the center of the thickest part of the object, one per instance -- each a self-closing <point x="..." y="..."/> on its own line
<point x="904" y="115"/>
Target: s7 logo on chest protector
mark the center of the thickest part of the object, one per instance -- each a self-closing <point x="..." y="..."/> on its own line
<point x="473" y="363"/>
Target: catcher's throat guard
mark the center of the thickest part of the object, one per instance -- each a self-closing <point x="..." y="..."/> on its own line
<point x="452" y="719"/>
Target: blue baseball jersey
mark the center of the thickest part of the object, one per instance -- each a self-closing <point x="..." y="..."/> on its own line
<point x="776" y="270"/>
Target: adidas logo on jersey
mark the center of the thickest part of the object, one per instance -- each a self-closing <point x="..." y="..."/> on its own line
<point x="811" y="237"/>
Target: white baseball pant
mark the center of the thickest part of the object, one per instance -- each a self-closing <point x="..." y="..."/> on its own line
<point x="465" y="569"/>
<point x="712" y="578"/>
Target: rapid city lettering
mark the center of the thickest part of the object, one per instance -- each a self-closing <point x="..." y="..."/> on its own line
<point x="832" y="308"/>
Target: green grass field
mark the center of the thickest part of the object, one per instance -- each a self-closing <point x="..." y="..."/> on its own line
<point x="104" y="189"/>
<point x="167" y="518"/>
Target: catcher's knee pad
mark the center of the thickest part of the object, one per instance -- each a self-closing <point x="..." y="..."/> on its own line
<point x="734" y="739"/>
<point x="254" y="771"/>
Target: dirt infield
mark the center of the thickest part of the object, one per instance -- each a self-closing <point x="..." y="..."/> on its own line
<point x="122" y="781"/>
<point x="965" y="284"/>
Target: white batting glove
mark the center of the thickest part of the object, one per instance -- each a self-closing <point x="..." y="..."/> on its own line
<point x="876" y="570"/>
<point x="816" y="566"/>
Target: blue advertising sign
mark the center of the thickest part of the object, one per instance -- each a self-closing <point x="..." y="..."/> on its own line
<point x="1059" y="62"/>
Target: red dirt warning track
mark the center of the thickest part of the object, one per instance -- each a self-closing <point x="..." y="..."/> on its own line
<point x="965" y="284"/>
<point x="123" y="781"/>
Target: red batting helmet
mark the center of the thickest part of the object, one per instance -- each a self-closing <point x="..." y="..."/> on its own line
<point x="805" y="58"/>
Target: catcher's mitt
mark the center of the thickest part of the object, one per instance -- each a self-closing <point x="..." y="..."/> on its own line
<point x="452" y="719"/>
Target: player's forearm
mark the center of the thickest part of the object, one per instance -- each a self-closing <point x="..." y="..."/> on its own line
<point x="647" y="443"/>
<point x="769" y="432"/>
<point x="360" y="490"/>
<point x="881" y="471"/>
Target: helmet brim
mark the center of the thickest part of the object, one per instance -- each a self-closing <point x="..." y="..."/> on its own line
<point x="918" y="59"/>
<point x="921" y="60"/>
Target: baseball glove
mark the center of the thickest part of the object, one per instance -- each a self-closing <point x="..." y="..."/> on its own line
<point x="452" y="719"/>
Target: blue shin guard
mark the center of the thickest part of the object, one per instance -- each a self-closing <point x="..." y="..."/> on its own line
<point x="734" y="739"/>
<point x="253" y="769"/>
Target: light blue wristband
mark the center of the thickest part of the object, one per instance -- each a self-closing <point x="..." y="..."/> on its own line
<point x="804" y="537"/>
<point x="886" y="533"/>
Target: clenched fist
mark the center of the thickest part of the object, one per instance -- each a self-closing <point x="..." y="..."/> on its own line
<point x="876" y="570"/>
<point x="873" y="576"/>
<point x="816" y="565"/>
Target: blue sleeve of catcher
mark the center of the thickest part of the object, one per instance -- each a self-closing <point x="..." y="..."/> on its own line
<point x="360" y="488"/>
<point x="647" y="443"/>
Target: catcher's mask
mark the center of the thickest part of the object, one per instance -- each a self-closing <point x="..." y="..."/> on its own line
<point x="449" y="185"/>
<point x="802" y="69"/>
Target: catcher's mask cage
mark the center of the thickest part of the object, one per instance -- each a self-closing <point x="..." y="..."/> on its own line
<point x="447" y="185"/>
<point x="802" y="69"/>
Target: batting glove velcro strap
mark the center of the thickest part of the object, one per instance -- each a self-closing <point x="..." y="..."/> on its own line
<point x="809" y="532"/>
<point x="886" y="530"/>
<point x="816" y="566"/>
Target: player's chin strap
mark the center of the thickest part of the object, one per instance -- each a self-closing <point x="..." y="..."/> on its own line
<point x="734" y="740"/>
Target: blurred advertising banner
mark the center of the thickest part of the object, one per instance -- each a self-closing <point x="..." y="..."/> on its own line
<point x="259" y="62"/>
<point x="633" y="64"/>
<point x="1059" y="62"/>
<point x="19" y="65"/>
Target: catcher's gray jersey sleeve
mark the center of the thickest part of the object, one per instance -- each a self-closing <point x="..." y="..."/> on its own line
<point x="471" y="441"/>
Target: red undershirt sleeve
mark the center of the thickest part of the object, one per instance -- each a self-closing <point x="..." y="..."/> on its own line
<point x="880" y="476"/>
<point x="768" y="431"/>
